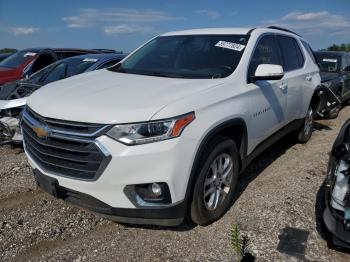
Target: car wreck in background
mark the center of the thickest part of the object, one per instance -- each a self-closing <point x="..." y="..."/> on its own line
<point x="335" y="74"/>
<point x="13" y="96"/>
<point x="28" y="61"/>
<point x="336" y="215"/>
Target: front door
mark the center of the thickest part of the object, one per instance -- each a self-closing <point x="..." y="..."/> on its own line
<point x="268" y="98"/>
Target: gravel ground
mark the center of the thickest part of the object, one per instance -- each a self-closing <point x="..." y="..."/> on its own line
<point x="279" y="190"/>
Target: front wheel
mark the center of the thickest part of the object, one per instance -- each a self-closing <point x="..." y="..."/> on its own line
<point x="216" y="181"/>
<point x="305" y="132"/>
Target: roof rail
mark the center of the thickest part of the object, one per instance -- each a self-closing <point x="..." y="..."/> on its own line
<point x="282" y="29"/>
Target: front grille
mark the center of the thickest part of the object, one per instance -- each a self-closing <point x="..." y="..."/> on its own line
<point x="66" y="148"/>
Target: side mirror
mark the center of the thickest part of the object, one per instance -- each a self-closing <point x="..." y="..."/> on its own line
<point x="267" y="72"/>
<point x="347" y="69"/>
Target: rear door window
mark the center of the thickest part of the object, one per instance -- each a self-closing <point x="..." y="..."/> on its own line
<point x="266" y="52"/>
<point x="292" y="57"/>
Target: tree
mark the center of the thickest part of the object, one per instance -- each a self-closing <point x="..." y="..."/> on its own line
<point x="342" y="47"/>
<point x="8" y="50"/>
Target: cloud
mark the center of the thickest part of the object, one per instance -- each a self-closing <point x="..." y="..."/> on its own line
<point x="314" y="23"/>
<point x="126" y="29"/>
<point x="94" y="17"/>
<point x="23" y="30"/>
<point x="209" y="13"/>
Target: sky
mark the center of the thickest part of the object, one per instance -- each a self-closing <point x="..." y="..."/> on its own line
<point x="124" y="25"/>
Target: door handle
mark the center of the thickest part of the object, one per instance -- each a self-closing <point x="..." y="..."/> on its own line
<point x="283" y="86"/>
<point x="308" y="78"/>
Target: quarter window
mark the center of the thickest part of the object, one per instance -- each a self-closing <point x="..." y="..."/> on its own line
<point x="292" y="57"/>
<point x="266" y="52"/>
<point x="309" y="50"/>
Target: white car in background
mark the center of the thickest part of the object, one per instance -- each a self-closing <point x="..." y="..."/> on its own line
<point x="164" y="135"/>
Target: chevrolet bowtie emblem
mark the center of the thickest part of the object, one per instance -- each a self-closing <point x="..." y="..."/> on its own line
<point x="41" y="132"/>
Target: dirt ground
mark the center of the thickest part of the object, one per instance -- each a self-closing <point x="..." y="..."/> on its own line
<point x="279" y="194"/>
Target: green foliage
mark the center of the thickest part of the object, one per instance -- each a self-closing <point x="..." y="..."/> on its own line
<point x="8" y="50"/>
<point x="236" y="241"/>
<point x="341" y="47"/>
<point x="239" y="242"/>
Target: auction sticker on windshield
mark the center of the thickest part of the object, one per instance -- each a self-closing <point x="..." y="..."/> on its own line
<point x="229" y="45"/>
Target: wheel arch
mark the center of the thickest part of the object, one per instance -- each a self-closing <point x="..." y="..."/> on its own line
<point x="235" y="129"/>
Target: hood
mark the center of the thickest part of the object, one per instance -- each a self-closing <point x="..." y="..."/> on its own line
<point x="107" y="97"/>
<point x="9" y="74"/>
<point x="328" y="76"/>
<point x="6" y="104"/>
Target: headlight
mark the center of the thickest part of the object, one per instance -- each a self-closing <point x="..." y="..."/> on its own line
<point x="153" y="131"/>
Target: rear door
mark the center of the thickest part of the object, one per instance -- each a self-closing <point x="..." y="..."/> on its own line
<point x="295" y="75"/>
<point x="268" y="98"/>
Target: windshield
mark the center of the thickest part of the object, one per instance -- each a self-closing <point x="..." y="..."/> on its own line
<point x="63" y="69"/>
<point x="189" y="56"/>
<point x="17" y="59"/>
<point x="328" y="62"/>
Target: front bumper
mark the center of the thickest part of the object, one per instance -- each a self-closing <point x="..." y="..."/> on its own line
<point x="168" y="161"/>
<point x="340" y="236"/>
<point x="172" y="215"/>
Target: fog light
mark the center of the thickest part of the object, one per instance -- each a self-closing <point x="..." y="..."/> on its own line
<point x="156" y="189"/>
<point x="156" y="193"/>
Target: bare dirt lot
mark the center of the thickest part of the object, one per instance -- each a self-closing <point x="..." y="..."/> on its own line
<point x="280" y="189"/>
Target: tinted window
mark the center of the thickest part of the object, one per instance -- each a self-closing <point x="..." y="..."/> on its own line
<point x="266" y="52"/>
<point x="36" y="77"/>
<point x="109" y="63"/>
<point x="56" y="74"/>
<point x="68" y="67"/>
<point x="17" y="59"/>
<point x="328" y="62"/>
<point x="187" y="56"/>
<point x="348" y="60"/>
<point x="291" y="54"/>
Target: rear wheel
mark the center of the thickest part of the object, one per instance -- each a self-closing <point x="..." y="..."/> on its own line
<point x="305" y="132"/>
<point x="217" y="178"/>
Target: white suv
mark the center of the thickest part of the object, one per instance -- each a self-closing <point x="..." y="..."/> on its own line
<point x="164" y="135"/>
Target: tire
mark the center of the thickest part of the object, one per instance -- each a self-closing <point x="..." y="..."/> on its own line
<point x="305" y="132"/>
<point x="347" y="102"/>
<point x="334" y="114"/>
<point x="204" y="209"/>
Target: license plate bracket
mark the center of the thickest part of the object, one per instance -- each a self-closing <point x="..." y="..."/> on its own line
<point x="48" y="184"/>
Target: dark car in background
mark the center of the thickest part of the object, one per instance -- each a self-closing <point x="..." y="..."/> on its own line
<point x="336" y="211"/>
<point x="57" y="71"/>
<point x="4" y="55"/>
<point x="335" y="75"/>
<point x="28" y="61"/>
<point x="13" y="95"/>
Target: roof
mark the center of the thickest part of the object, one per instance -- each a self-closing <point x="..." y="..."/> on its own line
<point x="211" y="31"/>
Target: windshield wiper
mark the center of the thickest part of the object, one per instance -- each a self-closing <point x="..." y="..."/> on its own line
<point x="165" y="75"/>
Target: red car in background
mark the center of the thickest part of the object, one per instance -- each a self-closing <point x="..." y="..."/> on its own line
<point x="28" y="61"/>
